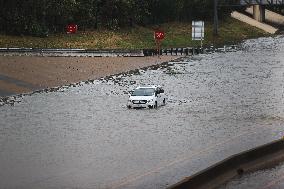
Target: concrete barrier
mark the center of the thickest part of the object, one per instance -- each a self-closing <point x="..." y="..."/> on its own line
<point x="251" y="21"/>
<point x="259" y="158"/>
<point x="270" y="16"/>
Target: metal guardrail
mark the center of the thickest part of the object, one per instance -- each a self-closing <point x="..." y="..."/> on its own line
<point x="69" y="52"/>
<point x="184" y="51"/>
<point x="191" y="50"/>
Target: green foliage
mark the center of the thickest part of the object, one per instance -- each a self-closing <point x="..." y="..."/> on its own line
<point x="38" y="17"/>
<point x="36" y="29"/>
<point x="178" y="34"/>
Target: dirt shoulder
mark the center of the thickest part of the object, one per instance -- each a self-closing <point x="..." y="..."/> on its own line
<point x="21" y="74"/>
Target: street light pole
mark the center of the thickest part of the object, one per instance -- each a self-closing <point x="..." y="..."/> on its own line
<point x="215" y="32"/>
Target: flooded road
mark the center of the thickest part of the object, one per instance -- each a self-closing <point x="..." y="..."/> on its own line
<point x="84" y="137"/>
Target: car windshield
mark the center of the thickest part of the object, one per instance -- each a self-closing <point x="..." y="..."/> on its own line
<point x="143" y="92"/>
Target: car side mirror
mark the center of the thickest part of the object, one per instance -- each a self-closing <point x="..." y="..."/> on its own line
<point x="130" y="93"/>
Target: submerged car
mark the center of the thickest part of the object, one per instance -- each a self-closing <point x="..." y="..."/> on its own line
<point x="147" y="97"/>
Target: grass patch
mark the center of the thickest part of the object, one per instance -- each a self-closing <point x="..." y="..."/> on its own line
<point x="231" y="31"/>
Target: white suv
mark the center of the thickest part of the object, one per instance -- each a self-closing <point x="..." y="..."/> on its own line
<point x="147" y="97"/>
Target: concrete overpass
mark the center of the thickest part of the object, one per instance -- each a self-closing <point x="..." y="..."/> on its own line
<point x="257" y="10"/>
<point x="258" y="6"/>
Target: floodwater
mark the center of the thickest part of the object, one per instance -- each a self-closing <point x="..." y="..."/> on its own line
<point x="265" y="179"/>
<point x="84" y="137"/>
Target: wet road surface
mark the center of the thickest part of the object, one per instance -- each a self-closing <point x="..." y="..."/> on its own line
<point x="84" y="137"/>
<point x="266" y="179"/>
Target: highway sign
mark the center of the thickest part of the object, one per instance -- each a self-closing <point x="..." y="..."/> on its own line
<point x="198" y="30"/>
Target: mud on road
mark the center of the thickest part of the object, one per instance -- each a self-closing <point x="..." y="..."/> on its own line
<point x="25" y="74"/>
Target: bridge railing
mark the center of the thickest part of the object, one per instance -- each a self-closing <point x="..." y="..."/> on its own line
<point x="262" y="2"/>
<point x="249" y="2"/>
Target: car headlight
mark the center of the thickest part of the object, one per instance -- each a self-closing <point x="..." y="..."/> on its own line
<point x="150" y="100"/>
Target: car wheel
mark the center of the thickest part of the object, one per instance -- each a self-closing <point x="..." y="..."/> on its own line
<point x="164" y="101"/>
<point x="156" y="105"/>
<point x="128" y="107"/>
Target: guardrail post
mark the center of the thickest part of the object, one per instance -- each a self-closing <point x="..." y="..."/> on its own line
<point x="186" y="51"/>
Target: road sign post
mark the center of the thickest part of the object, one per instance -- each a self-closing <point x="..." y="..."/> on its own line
<point x="159" y="35"/>
<point x="215" y="30"/>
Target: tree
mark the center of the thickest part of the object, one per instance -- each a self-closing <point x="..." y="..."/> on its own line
<point x="37" y="17"/>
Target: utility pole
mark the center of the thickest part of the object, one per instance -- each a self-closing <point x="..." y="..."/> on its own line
<point x="44" y="25"/>
<point x="215" y="31"/>
<point x="44" y="14"/>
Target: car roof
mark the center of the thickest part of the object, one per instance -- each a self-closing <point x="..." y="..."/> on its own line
<point x="146" y="87"/>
